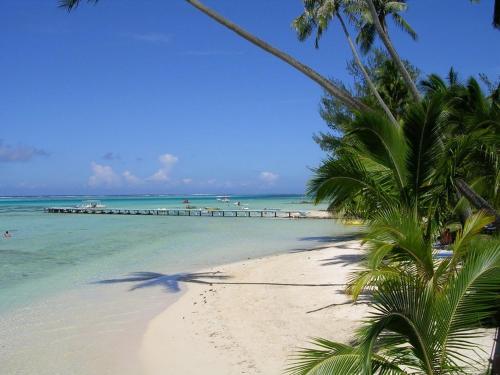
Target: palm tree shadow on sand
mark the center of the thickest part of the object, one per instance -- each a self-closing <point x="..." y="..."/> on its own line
<point x="337" y="241"/>
<point x="171" y="283"/>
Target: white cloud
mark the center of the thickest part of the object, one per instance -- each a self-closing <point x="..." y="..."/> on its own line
<point x="10" y="153"/>
<point x="159" y="176"/>
<point x="187" y="181"/>
<point x="103" y="175"/>
<point x="167" y="162"/>
<point x="268" y="177"/>
<point x="130" y="178"/>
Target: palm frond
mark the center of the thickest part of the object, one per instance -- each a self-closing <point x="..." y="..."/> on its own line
<point x="303" y="25"/>
<point x="433" y="84"/>
<point x="404" y="25"/>
<point x="469" y="298"/>
<point x="341" y="180"/>
<point x="402" y="306"/>
<point x="373" y="135"/>
<point x="328" y="357"/>
<point x="423" y="132"/>
<point x="396" y="235"/>
<point x="474" y="225"/>
<point x="367" y="279"/>
<point x="317" y="16"/>
<point x="366" y="37"/>
<point x="69" y="5"/>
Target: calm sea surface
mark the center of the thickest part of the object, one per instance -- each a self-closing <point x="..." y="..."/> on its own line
<point x="52" y="253"/>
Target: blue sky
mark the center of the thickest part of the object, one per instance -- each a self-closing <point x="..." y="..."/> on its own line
<point x="151" y="96"/>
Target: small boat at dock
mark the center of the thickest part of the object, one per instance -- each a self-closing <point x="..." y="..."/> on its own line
<point x="91" y="204"/>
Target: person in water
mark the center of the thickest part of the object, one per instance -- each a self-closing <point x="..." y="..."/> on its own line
<point x="7" y="235"/>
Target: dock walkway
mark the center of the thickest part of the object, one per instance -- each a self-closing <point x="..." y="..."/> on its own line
<point x="177" y="212"/>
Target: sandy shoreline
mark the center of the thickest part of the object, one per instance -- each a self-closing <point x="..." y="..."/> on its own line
<point x="248" y="318"/>
<point x="242" y="325"/>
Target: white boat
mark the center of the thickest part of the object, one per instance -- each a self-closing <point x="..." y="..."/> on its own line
<point x="223" y="198"/>
<point x="91" y="204"/>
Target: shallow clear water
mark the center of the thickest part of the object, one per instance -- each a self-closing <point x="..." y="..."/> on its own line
<point x="52" y="253"/>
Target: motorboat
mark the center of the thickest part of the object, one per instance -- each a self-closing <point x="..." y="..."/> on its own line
<point x="91" y="204"/>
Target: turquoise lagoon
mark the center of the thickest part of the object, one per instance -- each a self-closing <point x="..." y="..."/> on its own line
<point x="56" y="314"/>
<point x="52" y="253"/>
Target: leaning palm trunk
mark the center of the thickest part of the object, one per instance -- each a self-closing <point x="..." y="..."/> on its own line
<point x="368" y="80"/>
<point x="339" y="93"/>
<point x="476" y="200"/>
<point x="466" y="212"/>
<point x="392" y="51"/>
<point x="496" y="15"/>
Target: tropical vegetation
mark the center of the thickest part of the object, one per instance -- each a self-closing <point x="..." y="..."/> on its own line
<point x="427" y="164"/>
<point x="426" y="312"/>
<point x="451" y="135"/>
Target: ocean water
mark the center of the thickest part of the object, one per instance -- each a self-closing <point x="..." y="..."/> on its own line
<point x="53" y="253"/>
<point x="57" y="313"/>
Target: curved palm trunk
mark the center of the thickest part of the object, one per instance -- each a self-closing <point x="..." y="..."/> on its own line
<point x="466" y="212"/>
<point x="476" y="200"/>
<point x="392" y="51"/>
<point x="337" y="92"/>
<point x="496" y="15"/>
<point x="369" y="81"/>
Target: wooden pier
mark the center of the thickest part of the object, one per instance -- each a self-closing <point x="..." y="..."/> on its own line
<point x="178" y="212"/>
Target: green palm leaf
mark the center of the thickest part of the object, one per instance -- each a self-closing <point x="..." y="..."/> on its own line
<point x="328" y="357"/>
<point x="423" y="133"/>
<point x="373" y="135"/>
<point x="469" y="297"/>
<point x="341" y="181"/>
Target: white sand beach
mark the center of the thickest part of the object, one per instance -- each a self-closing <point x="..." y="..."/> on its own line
<point x="248" y="318"/>
<point x="249" y="327"/>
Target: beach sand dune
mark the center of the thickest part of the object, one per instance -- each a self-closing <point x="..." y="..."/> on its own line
<point x="248" y="325"/>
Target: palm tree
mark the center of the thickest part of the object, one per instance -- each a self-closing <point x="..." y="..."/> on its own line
<point x="384" y="36"/>
<point x="338" y="92"/>
<point x="496" y="13"/>
<point x="317" y="15"/>
<point x="443" y="141"/>
<point x="399" y="241"/>
<point x="388" y="82"/>
<point x="370" y="16"/>
<point x="412" y="178"/>
<point x="472" y="115"/>
<point x="377" y="166"/>
<point x="385" y="8"/>
<point x="423" y="319"/>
